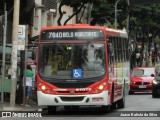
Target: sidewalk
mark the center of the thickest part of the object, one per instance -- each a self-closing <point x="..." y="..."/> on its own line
<point x="18" y="107"/>
<point x="157" y="63"/>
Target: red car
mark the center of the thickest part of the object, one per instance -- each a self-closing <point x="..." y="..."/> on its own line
<point x="141" y="79"/>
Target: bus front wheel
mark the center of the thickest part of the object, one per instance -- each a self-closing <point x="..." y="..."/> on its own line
<point x="106" y="108"/>
<point x="121" y="102"/>
<point x="74" y="108"/>
<point x="51" y="110"/>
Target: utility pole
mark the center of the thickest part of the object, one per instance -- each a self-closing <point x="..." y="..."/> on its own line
<point x="14" y="53"/>
<point x="4" y="58"/>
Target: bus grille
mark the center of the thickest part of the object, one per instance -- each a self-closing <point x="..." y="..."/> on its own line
<point x="71" y="99"/>
<point x="68" y="92"/>
<point x="73" y="85"/>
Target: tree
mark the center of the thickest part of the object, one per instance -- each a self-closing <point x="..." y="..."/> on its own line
<point x="26" y="10"/>
<point x="104" y="13"/>
<point x="145" y="17"/>
<point x="101" y="13"/>
<point x="77" y="6"/>
<point x="144" y="21"/>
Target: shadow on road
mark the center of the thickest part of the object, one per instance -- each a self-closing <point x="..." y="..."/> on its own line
<point x="141" y="93"/>
<point x="81" y="112"/>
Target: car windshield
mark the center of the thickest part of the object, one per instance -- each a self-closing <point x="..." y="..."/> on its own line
<point x="143" y="72"/>
<point x="62" y="60"/>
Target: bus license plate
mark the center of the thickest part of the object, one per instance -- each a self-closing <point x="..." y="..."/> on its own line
<point x="142" y="86"/>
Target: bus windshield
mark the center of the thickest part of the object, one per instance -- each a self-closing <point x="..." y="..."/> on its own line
<point x="58" y="60"/>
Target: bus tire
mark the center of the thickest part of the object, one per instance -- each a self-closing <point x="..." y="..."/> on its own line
<point x="67" y="108"/>
<point x="51" y="109"/>
<point x="74" y="108"/>
<point x="105" y="108"/>
<point x="113" y="106"/>
<point x="121" y="102"/>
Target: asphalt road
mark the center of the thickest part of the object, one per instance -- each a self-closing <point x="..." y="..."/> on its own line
<point x="139" y="106"/>
<point x="141" y="102"/>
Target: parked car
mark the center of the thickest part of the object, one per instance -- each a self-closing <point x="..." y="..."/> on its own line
<point x="156" y="83"/>
<point x="141" y="79"/>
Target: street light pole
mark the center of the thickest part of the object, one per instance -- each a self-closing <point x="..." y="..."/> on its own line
<point x="89" y="12"/>
<point x="115" y="23"/>
<point x="127" y="26"/>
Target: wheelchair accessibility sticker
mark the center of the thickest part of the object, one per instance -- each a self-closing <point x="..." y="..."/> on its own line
<point x="77" y="73"/>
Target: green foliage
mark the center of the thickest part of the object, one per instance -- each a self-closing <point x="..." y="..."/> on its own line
<point x="104" y="13"/>
<point x="145" y="17"/>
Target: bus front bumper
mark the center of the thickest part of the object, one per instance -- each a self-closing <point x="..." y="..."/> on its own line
<point x="80" y="100"/>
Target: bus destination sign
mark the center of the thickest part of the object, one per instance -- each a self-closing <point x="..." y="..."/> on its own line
<point x="72" y="34"/>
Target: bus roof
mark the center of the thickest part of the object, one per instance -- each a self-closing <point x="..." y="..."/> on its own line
<point x="116" y="32"/>
<point x="72" y="26"/>
<point x="109" y="31"/>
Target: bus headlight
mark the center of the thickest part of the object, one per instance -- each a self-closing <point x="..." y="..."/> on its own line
<point x="155" y="82"/>
<point x="43" y="87"/>
<point x="99" y="88"/>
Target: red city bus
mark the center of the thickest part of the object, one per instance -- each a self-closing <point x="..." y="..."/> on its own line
<point x="82" y="65"/>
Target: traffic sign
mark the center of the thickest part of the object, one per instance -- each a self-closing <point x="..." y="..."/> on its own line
<point x="21" y="37"/>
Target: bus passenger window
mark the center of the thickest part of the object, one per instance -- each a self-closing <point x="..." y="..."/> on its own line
<point x="111" y="52"/>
